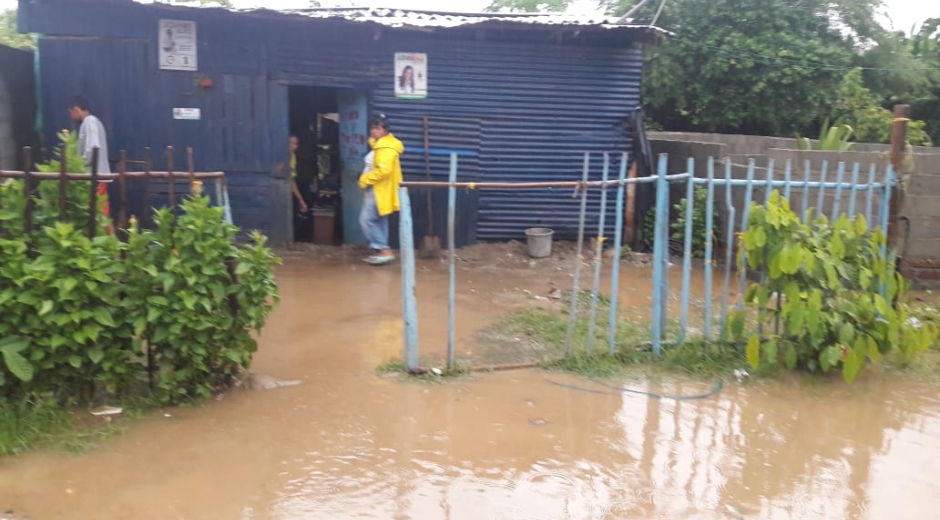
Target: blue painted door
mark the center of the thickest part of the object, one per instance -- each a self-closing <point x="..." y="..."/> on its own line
<point x="353" y="147"/>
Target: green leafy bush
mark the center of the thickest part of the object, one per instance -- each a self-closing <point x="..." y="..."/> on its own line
<point x="836" y="284"/>
<point x="81" y="315"/>
<point x="677" y="227"/>
<point x="199" y="298"/>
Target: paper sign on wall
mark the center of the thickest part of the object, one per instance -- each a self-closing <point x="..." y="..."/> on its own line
<point x="177" y="43"/>
<point x="190" y="114"/>
<point x="411" y="75"/>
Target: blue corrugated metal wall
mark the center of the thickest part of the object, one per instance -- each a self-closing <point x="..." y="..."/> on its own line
<point x="523" y="111"/>
<point x="537" y="108"/>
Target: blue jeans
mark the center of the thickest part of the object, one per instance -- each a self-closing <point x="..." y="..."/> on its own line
<point x="373" y="225"/>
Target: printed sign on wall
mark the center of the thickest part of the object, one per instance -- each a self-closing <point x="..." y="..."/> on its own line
<point x="411" y="75"/>
<point x="177" y="44"/>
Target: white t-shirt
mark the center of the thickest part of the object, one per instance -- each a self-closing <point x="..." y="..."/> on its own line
<point x="369" y="162"/>
<point x="91" y="135"/>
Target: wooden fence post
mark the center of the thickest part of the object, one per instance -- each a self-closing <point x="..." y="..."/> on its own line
<point x="192" y="170"/>
<point x="122" y="186"/>
<point x="169" y="169"/>
<point x="148" y="211"/>
<point x="93" y="217"/>
<point x="28" y="191"/>
<point x="63" y="183"/>
<point x="898" y="151"/>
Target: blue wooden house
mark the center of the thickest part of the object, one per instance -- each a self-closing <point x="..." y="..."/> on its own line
<point x="519" y="97"/>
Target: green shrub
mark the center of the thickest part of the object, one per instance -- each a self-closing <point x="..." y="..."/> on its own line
<point x="839" y="290"/>
<point x="677" y="228"/>
<point x="80" y="315"/>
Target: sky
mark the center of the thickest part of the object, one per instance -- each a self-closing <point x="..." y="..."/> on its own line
<point x="903" y="14"/>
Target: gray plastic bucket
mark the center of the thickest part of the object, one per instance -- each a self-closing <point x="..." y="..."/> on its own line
<point x="539" y="241"/>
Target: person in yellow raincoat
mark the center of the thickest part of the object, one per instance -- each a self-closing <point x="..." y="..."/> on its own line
<point x="380" y="182"/>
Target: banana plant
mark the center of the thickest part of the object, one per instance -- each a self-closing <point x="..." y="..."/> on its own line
<point x="835" y="138"/>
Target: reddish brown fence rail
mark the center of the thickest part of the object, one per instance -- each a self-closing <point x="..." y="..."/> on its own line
<point x="122" y="176"/>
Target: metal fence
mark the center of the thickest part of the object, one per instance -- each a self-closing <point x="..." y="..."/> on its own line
<point x="735" y="191"/>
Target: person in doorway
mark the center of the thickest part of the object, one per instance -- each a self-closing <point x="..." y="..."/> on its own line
<point x="380" y="184"/>
<point x="293" y="144"/>
<point x="91" y="135"/>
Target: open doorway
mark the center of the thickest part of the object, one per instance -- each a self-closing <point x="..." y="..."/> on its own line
<point x="314" y="120"/>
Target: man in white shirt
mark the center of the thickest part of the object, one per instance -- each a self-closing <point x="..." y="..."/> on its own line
<point x="91" y="135"/>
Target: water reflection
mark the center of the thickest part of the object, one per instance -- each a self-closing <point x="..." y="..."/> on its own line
<point x="781" y="451"/>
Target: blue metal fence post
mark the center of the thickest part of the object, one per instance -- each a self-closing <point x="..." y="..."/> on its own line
<point x="409" y="303"/>
<point x="885" y="218"/>
<point x="660" y="255"/>
<point x="788" y="178"/>
<point x="837" y="203"/>
<point x="709" y="246"/>
<point x="452" y="254"/>
<point x="618" y="244"/>
<point x="770" y="182"/>
<point x="808" y="170"/>
<point x="687" y="250"/>
<point x="598" y="256"/>
<point x="855" y="172"/>
<point x="824" y="173"/>
<point x="729" y="250"/>
<point x="745" y="216"/>
<point x="579" y="257"/>
<point x="870" y="196"/>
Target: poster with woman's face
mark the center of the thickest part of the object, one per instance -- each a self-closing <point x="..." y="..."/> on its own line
<point x="411" y="75"/>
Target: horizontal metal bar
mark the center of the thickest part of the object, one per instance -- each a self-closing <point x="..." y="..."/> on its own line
<point x="441" y="151"/>
<point x="782" y="184"/>
<point x="532" y="185"/>
<point x="112" y="176"/>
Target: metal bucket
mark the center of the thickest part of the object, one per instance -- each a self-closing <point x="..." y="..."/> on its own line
<point x="539" y="241"/>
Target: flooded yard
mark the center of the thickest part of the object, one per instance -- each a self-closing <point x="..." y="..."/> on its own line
<point x="347" y="443"/>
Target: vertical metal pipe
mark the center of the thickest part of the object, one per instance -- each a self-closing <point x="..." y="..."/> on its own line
<point x="824" y="173"/>
<point x="788" y="178"/>
<point x="808" y="171"/>
<point x="660" y="253"/>
<point x="618" y="244"/>
<point x="870" y="196"/>
<point x="729" y="252"/>
<point x="452" y="253"/>
<point x="598" y="257"/>
<point x="837" y="203"/>
<point x="709" y="246"/>
<point x="769" y="190"/>
<point x="687" y="250"/>
<point x="409" y="303"/>
<point x="770" y="181"/>
<point x="884" y="214"/>
<point x="745" y="216"/>
<point x="855" y="172"/>
<point x="579" y="257"/>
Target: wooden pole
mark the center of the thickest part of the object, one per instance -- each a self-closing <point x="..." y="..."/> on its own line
<point x="898" y="151"/>
<point x="148" y="216"/>
<point x="169" y="169"/>
<point x="192" y="170"/>
<point x="122" y="185"/>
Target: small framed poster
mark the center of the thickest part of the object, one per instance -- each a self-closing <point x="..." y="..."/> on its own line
<point x="178" y="45"/>
<point x="411" y="75"/>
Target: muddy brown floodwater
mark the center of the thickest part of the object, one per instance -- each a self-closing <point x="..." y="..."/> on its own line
<point x="350" y="444"/>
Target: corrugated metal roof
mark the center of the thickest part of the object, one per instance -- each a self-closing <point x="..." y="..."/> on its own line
<point x="438" y="19"/>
